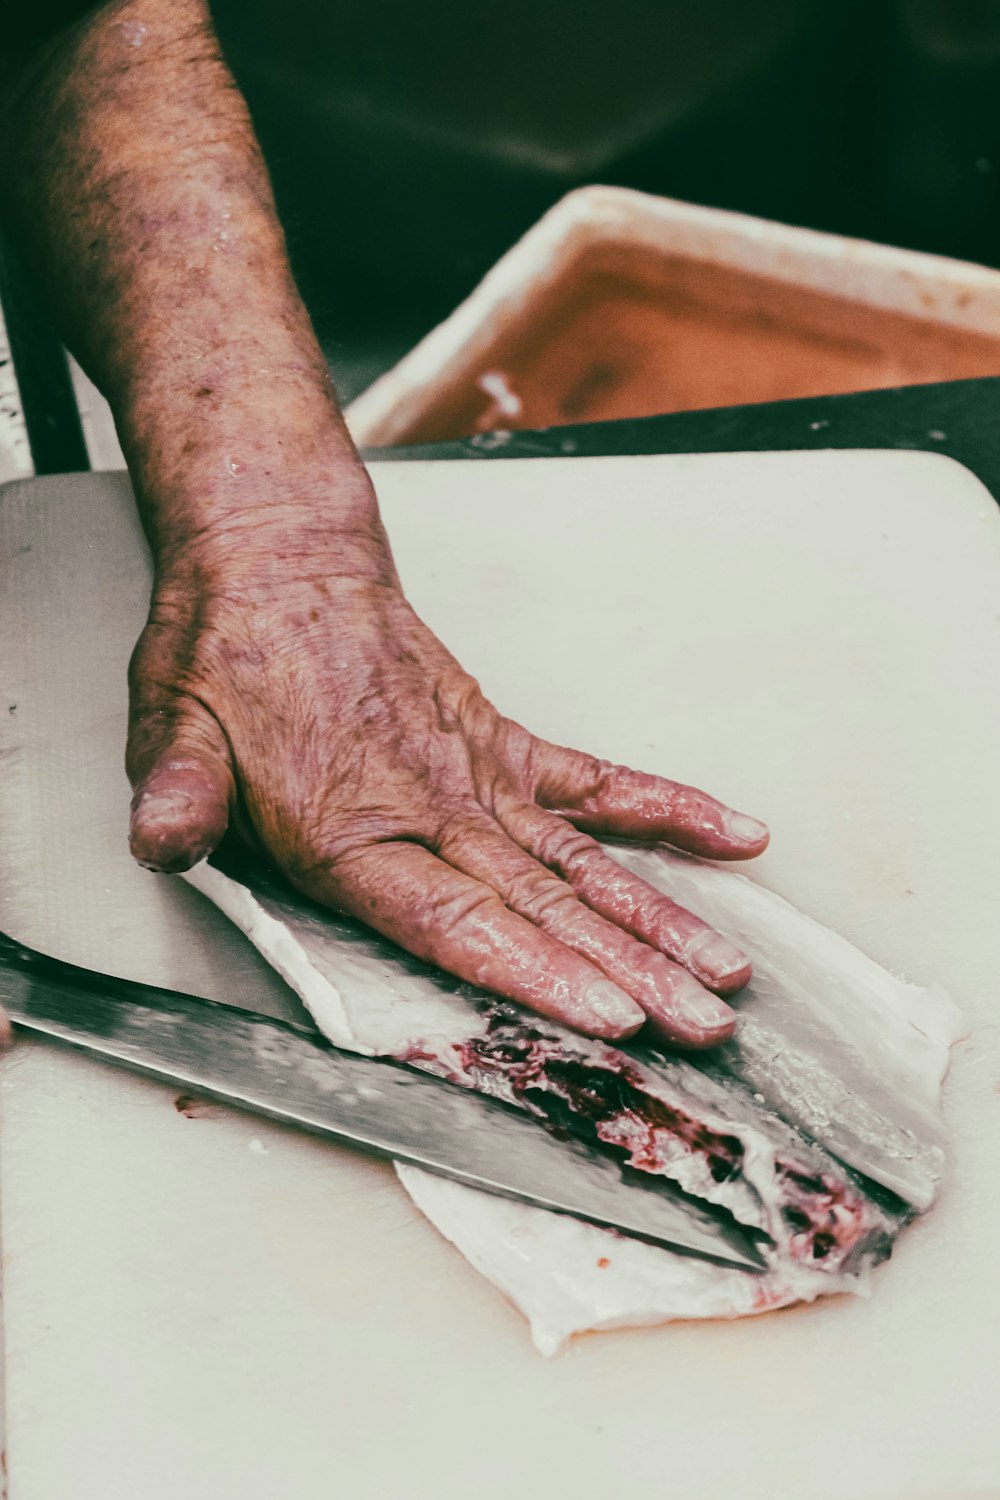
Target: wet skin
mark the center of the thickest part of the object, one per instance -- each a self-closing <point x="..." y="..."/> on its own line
<point x="282" y="675"/>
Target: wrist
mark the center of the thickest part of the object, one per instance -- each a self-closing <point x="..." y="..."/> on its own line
<point x="310" y="530"/>
<point x="252" y="515"/>
<point x="236" y="487"/>
<point x="292" y="545"/>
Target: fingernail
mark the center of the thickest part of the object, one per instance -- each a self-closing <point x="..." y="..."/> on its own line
<point x="149" y="804"/>
<point x="610" y="1010"/>
<point x="744" y="828"/>
<point x="164" y="833"/>
<point x="716" y="957"/>
<point x="699" y="1007"/>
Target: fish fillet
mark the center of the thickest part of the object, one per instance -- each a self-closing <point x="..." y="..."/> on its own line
<point x="818" y="1123"/>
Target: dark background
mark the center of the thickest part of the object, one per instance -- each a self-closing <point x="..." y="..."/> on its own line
<point x="412" y="141"/>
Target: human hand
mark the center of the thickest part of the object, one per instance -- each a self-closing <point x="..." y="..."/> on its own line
<point x="383" y="783"/>
<point x="282" y="665"/>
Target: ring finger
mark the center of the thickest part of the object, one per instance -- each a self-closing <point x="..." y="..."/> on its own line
<point x="682" y="1009"/>
<point x="626" y="900"/>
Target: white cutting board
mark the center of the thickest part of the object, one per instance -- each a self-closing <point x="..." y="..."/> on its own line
<point x="218" y="1309"/>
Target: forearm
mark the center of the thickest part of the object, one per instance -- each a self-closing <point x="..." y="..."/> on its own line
<point x="138" y="186"/>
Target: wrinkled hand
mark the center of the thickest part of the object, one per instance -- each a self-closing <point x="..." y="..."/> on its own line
<point x="384" y="784"/>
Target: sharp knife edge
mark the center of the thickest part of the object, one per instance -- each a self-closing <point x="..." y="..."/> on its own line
<point x="292" y="1075"/>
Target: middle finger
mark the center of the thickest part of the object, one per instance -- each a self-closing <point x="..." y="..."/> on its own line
<point x="625" y="899"/>
<point x="682" y="1010"/>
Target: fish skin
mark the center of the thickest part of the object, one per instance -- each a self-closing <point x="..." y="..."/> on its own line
<point x="798" y="1089"/>
<point x="837" y="1056"/>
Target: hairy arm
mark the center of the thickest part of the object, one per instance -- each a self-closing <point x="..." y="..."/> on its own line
<point x="140" y="193"/>
<point x="282" y="669"/>
<point x="140" y="189"/>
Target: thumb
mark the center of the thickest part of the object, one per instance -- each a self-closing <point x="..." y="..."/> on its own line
<point x="180" y="766"/>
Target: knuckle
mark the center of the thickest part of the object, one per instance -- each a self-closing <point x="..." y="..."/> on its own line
<point x="518" y="752"/>
<point x="497" y="787"/>
<point x="542" y="898"/>
<point x="452" y="908"/>
<point x="594" y="776"/>
<point x="148" y="670"/>
<point x="459" y="703"/>
<point x="536" y="764"/>
<point x="460" y="826"/>
<point x="564" y="848"/>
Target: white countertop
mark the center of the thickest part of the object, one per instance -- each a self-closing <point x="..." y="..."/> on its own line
<point x="215" y="1307"/>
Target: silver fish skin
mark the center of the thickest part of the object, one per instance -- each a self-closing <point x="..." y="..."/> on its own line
<point x="813" y="1152"/>
<point x="832" y="1042"/>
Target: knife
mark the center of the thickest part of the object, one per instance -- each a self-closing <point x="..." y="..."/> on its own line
<point x="294" y="1075"/>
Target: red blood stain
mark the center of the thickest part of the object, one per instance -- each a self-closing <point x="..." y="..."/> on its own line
<point x="824" y="1216"/>
<point x="604" y="1263"/>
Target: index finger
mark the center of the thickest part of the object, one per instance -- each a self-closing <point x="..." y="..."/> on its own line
<point x="441" y="915"/>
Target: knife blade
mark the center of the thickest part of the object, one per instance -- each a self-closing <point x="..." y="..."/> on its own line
<point x="294" y="1075"/>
